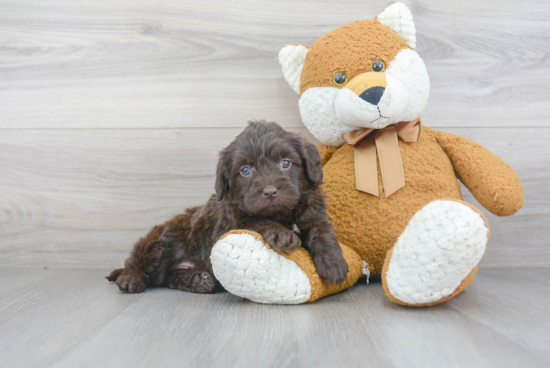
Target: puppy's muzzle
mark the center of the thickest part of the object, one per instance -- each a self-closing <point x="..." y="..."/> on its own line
<point x="270" y="192"/>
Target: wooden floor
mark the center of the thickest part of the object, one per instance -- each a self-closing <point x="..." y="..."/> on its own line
<point x="75" y="318"/>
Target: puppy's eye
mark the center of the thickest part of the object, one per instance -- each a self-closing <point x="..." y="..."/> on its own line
<point x="378" y="66"/>
<point x="339" y="79"/>
<point x="285" y="164"/>
<point x="245" y="171"/>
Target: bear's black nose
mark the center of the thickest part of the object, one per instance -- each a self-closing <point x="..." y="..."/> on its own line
<point x="270" y="192"/>
<point x="373" y="95"/>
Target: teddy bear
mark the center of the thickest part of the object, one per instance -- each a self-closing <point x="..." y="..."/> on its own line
<point x="393" y="194"/>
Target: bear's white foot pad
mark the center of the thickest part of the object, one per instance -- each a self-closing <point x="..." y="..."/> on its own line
<point x="441" y="245"/>
<point x="247" y="268"/>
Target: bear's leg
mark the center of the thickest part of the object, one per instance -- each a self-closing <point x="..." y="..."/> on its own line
<point x="436" y="256"/>
<point x="246" y="266"/>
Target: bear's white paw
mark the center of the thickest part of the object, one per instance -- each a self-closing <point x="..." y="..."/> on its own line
<point x="247" y="268"/>
<point x="441" y="245"/>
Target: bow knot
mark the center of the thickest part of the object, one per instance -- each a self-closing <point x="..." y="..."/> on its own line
<point x="385" y="142"/>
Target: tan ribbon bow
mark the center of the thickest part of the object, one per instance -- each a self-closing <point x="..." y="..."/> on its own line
<point x="385" y="141"/>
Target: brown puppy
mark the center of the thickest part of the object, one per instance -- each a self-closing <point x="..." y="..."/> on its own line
<point x="268" y="181"/>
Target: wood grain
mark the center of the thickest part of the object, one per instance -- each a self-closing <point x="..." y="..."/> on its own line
<point x="81" y="198"/>
<point x="142" y="63"/>
<point x="112" y="114"/>
<point x="76" y="318"/>
<point x="518" y="317"/>
<point x="111" y="117"/>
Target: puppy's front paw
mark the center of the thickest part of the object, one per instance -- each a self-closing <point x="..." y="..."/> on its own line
<point x="332" y="268"/>
<point x="282" y="239"/>
<point x="131" y="282"/>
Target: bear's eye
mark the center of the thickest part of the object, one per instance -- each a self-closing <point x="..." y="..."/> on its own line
<point x="285" y="164"/>
<point x="339" y="79"/>
<point x="245" y="171"/>
<point x="378" y="66"/>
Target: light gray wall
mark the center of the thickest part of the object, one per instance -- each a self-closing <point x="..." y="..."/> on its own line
<point x="112" y="112"/>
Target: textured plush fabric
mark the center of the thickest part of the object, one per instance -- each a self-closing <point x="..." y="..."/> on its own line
<point x="371" y="225"/>
<point x="492" y="182"/>
<point x="393" y="102"/>
<point x="292" y="59"/>
<point x="326" y="152"/>
<point x="440" y="246"/>
<point x="249" y="268"/>
<point x="319" y="288"/>
<point x="399" y="18"/>
<point x="463" y="285"/>
<point x="317" y="109"/>
<point x="350" y="46"/>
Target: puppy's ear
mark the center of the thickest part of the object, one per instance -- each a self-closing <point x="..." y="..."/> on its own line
<point x="313" y="162"/>
<point x="223" y="173"/>
<point x="311" y="158"/>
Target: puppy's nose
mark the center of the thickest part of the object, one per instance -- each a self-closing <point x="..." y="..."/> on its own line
<point x="270" y="192"/>
<point x="373" y="95"/>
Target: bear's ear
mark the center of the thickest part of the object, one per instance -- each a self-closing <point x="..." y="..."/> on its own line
<point x="400" y="20"/>
<point x="291" y="58"/>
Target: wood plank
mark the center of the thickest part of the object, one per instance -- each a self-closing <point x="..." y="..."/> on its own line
<point x="361" y="326"/>
<point x="55" y="314"/>
<point x="523" y="296"/>
<point x="13" y="279"/>
<point x="81" y="64"/>
<point x="80" y="198"/>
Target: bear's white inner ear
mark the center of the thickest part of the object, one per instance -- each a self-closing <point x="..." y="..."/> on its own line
<point x="400" y="20"/>
<point x="292" y="60"/>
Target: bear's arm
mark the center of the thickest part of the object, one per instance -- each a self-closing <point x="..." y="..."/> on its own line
<point x="492" y="182"/>
<point x="326" y="152"/>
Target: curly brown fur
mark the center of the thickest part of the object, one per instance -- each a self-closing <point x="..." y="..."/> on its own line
<point x="276" y="193"/>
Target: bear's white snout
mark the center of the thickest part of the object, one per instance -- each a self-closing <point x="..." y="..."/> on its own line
<point x="367" y="109"/>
